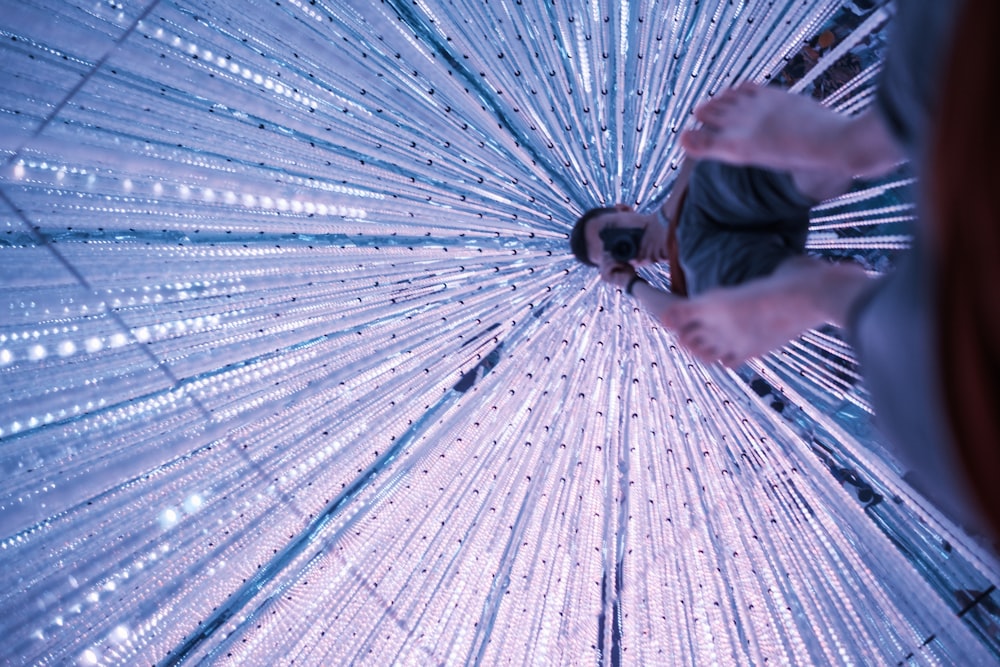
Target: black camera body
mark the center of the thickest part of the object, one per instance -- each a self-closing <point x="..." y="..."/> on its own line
<point x="622" y="244"/>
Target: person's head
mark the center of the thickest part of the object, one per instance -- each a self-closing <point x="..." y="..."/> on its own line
<point x="593" y="230"/>
<point x="578" y="237"/>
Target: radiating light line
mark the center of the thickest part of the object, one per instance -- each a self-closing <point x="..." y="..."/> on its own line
<point x="297" y="365"/>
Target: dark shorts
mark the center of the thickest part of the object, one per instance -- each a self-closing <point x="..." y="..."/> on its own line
<point x="737" y="224"/>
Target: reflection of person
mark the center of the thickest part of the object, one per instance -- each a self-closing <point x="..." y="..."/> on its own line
<point x="768" y="127"/>
<point x="734" y="226"/>
<point x="893" y="327"/>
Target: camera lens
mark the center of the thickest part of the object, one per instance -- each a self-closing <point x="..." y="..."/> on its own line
<point x="622" y="244"/>
<point x="624" y="250"/>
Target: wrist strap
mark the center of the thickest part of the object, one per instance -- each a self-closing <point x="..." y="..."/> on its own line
<point x="631" y="284"/>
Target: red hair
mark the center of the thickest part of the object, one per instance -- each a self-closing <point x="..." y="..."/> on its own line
<point x="964" y="235"/>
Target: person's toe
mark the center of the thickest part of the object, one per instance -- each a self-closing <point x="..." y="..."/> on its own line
<point x="697" y="142"/>
<point x="727" y="96"/>
<point x="707" y="353"/>
<point x="731" y="360"/>
<point x="688" y="327"/>
<point x="700" y="344"/>
<point x="714" y="112"/>
<point x="747" y="88"/>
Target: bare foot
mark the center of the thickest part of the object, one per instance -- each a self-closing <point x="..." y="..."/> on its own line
<point x="732" y="324"/>
<point x="766" y="127"/>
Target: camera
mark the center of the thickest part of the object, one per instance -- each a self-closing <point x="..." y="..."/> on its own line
<point x="622" y="244"/>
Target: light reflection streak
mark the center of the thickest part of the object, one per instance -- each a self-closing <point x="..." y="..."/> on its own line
<point x="291" y="340"/>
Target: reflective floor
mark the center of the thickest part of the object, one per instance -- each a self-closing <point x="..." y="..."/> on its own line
<point x="296" y="366"/>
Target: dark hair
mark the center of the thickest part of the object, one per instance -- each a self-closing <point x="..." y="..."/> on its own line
<point x="578" y="237"/>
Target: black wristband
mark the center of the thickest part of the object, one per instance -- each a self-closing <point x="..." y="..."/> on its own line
<point x="631" y="284"/>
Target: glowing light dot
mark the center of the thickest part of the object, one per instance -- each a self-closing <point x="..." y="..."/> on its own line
<point x="19" y="170"/>
<point x="127" y="185"/>
<point x="120" y="633"/>
<point x="88" y="657"/>
<point x="6" y="357"/>
<point x="141" y="334"/>
<point x="193" y="503"/>
<point x="93" y="344"/>
<point x="67" y="348"/>
<point x="168" y="518"/>
<point x="118" y="340"/>
<point x="36" y="352"/>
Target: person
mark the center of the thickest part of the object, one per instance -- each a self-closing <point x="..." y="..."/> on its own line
<point x="768" y="127"/>
<point x="927" y="336"/>
<point x="723" y="226"/>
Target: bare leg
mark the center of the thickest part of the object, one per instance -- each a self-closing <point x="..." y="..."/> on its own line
<point x="662" y="306"/>
<point x="821" y="184"/>
<point x="733" y="324"/>
<point x="768" y="127"/>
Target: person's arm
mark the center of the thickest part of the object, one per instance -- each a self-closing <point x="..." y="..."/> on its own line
<point x="654" y="301"/>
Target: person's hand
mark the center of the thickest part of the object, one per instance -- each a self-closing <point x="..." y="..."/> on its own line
<point x="617" y="275"/>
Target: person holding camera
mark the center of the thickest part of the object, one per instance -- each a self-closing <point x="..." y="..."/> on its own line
<point x="724" y="226"/>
